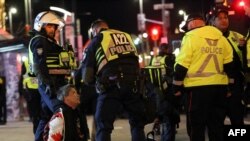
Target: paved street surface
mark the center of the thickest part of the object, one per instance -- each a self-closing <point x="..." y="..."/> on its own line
<point x="22" y="130"/>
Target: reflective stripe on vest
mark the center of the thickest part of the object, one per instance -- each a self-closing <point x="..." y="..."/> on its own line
<point x="248" y="53"/>
<point x="159" y="61"/>
<point x="201" y="73"/>
<point x="30" y="83"/>
<point x="234" y="38"/>
<point x="179" y="83"/>
<point x="115" y="44"/>
<point x="248" y="48"/>
<point x="155" y="75"/>
<point x="59" y="71"/>
<point x="61" y="63"/>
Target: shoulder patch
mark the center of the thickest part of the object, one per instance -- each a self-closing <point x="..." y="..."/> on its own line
<point x="39" y="51"/>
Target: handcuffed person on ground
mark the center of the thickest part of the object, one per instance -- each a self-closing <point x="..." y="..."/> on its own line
<point x="67" y="122"/>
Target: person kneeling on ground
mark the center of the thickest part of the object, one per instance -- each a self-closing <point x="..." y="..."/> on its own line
<point x="66" y="123"/>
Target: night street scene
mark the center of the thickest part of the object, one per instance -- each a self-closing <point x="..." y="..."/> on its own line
<point x="121" y="70"/>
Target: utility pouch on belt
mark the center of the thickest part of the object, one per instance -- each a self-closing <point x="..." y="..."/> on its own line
<point x="105" y="83"/>
<point x="100" y="88"/>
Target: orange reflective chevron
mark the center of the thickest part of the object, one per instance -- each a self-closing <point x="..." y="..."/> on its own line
<point x="201" y="73"/>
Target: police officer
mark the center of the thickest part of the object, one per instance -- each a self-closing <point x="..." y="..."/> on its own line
<point x="112" y="59"/>
<point x="204" y="58"/>
<point x="33" y="98"/>
<point x="49" y="62"/>
<point x="235" y="109"/>
<point x="245" y="47"/>
<point x="160" y="74"/>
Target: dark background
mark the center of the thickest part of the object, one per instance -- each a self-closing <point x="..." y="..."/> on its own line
<point x="121" y="14"/>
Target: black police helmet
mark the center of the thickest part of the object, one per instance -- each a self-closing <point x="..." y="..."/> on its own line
<point x="215" y="12"/>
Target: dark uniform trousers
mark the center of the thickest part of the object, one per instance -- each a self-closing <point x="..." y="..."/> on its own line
<point x="234" y="107"/>
<point x="111" y="102"/>
<point x="206" y="110"/>
<point x="34" y="106"/>
<point x="49" y="104"/>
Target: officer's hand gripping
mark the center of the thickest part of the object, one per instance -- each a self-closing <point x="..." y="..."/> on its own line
<point x="50" y="90"/>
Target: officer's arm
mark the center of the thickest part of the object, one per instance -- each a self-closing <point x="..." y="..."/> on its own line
<point x="39" y="59"/>
<point x="170" y="61"/>
<point x="229" y="69"/>
<point x="23" y="70"/>
<point x="89" y="63"/>
<point x="179" y="75"/>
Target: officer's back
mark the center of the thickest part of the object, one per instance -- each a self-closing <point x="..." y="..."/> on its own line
<point x="111" y="63"/>
<point x="114" y="54"/>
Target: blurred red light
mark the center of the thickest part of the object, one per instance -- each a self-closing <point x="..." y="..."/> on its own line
<point x="241" y="3"/>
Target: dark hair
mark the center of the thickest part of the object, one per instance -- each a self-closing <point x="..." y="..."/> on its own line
<point x="64" y="91"/>
<point x="97" y="23"/>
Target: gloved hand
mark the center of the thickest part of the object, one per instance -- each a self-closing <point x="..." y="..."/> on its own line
<point x="50" y="90"/>
<point x="157" y="127"/>
<point x="178" y="89"/>
<point x="229" y="89"/>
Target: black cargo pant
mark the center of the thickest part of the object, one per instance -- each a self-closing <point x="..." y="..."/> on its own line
<point x="123" y="96"/>
<point x="206" y="110"/>
<point x="234" y="107"/>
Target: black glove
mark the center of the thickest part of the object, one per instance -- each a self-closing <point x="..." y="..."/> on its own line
<point x="50" y="90"/>
<point x="230" y="87"/>
<point x="177" y="88"/>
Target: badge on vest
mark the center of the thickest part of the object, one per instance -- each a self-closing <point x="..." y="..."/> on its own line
<point x="39" y="51"/>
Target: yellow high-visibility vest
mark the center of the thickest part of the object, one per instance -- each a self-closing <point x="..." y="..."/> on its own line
<point x="59" y="64"/>
<point x="204" y="51"/>
<point x="248" y="50"/>
<point x="29" y="82"/>
<point x="115" y="44"/>
<point x="159" y="61"/>
<point x="234" y="40"/>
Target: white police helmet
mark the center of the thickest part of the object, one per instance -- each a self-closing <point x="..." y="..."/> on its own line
<point x="47" y="17"/>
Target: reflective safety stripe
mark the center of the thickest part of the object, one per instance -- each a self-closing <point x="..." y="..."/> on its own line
<point x="236" y="36"/>
<point x="103" y="63"/>
<point x="30" y="83"/>
<point x="206" y="74"/>
<point x="200" y="72"/>
<point x="155" y="75"/>
<point x="65" y="59"/>
<point x="115" y="44"/>
<point x="179" y="83"/>
<point x="159" y="61"/>
<point x="59" y="71"/>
